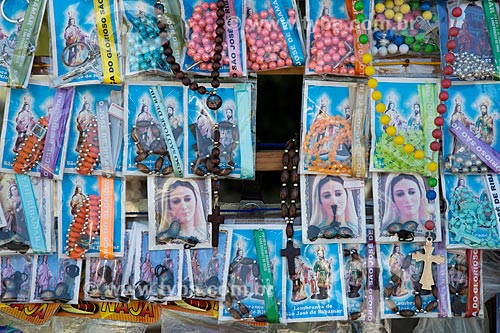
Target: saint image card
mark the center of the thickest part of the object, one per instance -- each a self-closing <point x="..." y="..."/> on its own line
<point x="326" y="127"/>
<point x="207" y="266"/>
<point x="472" y="214"/>
<point x="465" y="282"/>
<point x="316" y="291"/>
<point x="402" y="284"/>
<point x="16" y="278"/>
<point x="55" y="280"/>
<point x="85" y="42"/>
<point x="99" y="201"/>
<point x="103" y="278"/>
<point x="259" y="290"/>
<point x="235" y="123"/>
<point x="157" y="273"/>
<point x="333" y="209"/>
<point x="411" y="108"/>
<point x="89" y="109"/>
<point x="178" y="211"/>
<point x="26" y="119"/>
<point x="401" y="206"/>
<point x="146" y="148"/>
<point x="26" y="226"/>
<point x="471" y="127"/>
<point x="20" y="26"/>
<point x="355" y="278"/>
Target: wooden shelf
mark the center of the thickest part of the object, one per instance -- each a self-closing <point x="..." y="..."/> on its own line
<point x="269" y="160"/>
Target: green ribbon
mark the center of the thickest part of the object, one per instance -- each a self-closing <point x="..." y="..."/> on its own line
<point x="266" y="275"/>
<point x="24" y="52"/>
<point x="427" y="98"/>
<point x="491" y="18"/>
<point x="172" y="19"/>
<point x="244" y="102"/>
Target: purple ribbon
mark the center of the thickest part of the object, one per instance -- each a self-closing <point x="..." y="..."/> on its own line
<point x="233" y="40"/>
<point x="485" y="153"/>
<point x="371" y="283"/>
<point x="443" y="292"/>
<point x="56" y="130"/>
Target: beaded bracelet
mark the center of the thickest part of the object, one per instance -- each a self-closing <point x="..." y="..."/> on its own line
<point x="31" y="149"/>
<point x="84" y="227"/>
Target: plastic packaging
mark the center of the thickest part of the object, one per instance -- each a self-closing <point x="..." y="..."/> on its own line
<point x="98" y="202"/>
<point x="16" y="278"/>
<point x="335" y="36"/>
<point x="408" y="28"/>
<point x="200" y="20"/>
<point x="145" y="144"/>
<point x="55" y="280"/>
<point x="143" y="43"/>
<point x="471" y="145"/>
<point x="85" y="42"/>
<point x="399" y="219"/>
<point x="410" y="111"/>
<point x="178" y="210"/>
<point x="332" y="209"/>
<point x="273" y="35"/>
<point x="83" y="325"/>
<point x="316" y="290"/>
<point x="97" y="116"/>
<point x="157" y="273"/>
<point x="103" y="279"/>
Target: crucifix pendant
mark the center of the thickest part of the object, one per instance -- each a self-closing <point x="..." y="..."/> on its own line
<point x="427" y="281"/>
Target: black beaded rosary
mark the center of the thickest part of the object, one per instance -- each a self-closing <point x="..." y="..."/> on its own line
<point x="214" y="102"/>
<point x="289" y="209"/>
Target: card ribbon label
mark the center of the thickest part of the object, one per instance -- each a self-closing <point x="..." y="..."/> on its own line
<point x="474" y="291"/>
<point x="172" y="17"/>
<point x="30" y="209"/>
<point x="492" y="22"/>
<point x="106" y="232"/>
<point x="244" y="102"/>
<point x="442" y="285"/>
<point x="266" y="274"/>
<point x="291" y="34"/>
<point x="56" y="130"/>
<point x="232" y="26"/>
<point x="172" y="148"/>
<point x="358" y="146"/>
<point x="103" y="131"/>
<point x="107" y="44"/>
<point x="371" y="283"/>
<point x="25" y="47"/>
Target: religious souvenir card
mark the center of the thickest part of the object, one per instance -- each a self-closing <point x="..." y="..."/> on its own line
<point x="154" y="144"/>
<point x="333" y="120"/>
<point x="143" y="43"/>
<point x="472" y="215"/>
<point x="207" y="267"/>
<point x="333" y="209"/>
<point x="413" y="280"/>
<point x="403" y="203"/>
<point x="15" y="278"/>
<point x="200" y="18"/>
<point x="157" y="273"/>
<point x="255" y="273"/>
<point x="91" y="216"/>
<point x="103" y="279"/>
<point x="471" y="145"/>
<point x="85" y="42"/>
<point x="316" y="291"/>
<point x="273" y="35"/>
<point x="360" y="275"/>
<point x="20" y="25"/>
<point x="96" y="131"/>
<point x="34" y="130"/>
<point x="465" y="282"/>
<point x="55" y="280"/>
<point x="473" y="27"/>
<point x="401" y="133"/>
<point x="27" y="214"/>
<point x="235" y="123"/>
<point x="336" y="36"/>
<point x="178" y="211"/>
<point x="408" y="28"/>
